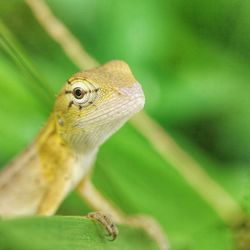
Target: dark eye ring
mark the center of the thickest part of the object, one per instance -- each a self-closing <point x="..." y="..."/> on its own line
<point x="78" y="93"/>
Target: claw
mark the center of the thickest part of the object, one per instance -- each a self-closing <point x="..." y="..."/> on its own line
<point x="106" y="221"/>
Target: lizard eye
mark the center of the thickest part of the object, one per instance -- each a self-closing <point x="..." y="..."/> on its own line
<point x="84" y="93"/>
<point x="78" y="93"/>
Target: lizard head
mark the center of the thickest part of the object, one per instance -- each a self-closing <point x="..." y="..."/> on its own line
<point x="95" y="103"/>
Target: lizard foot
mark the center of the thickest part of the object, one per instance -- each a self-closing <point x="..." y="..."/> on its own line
<point x="106" y="221"/>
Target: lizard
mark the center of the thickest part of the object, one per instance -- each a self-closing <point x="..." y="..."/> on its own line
<point x="91" y="106"/>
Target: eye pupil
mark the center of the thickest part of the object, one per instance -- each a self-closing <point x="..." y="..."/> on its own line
<point x="78" y="93"/>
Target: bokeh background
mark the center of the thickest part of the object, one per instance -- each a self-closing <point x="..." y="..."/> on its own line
<point x="192" y="59"/>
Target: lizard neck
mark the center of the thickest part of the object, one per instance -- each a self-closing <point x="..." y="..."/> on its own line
<point x="79" y="144"/>
<point x="58" y="158"/>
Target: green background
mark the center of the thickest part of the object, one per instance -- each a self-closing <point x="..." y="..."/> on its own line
<point x="192" y="59"/>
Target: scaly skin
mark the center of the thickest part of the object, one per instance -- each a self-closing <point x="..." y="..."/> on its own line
<point x="91" y="106"/>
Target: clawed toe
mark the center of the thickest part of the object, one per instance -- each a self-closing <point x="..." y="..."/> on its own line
<point x="106" y="221"/>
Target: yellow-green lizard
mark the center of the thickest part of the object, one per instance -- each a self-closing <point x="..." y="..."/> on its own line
<point x="91" y="106"/>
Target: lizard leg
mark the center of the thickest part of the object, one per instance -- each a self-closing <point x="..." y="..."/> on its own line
<point x="106" y="221"/>
<point x="95" y="199"/>
<point x="53" y="197"/>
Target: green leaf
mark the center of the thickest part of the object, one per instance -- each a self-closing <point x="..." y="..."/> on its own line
<point x="49" y="233"/>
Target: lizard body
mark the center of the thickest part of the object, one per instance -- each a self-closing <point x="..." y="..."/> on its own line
<point x="90" y="107"/>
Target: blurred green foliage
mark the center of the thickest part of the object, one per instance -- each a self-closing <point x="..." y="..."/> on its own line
<point x="192" y="58"/>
